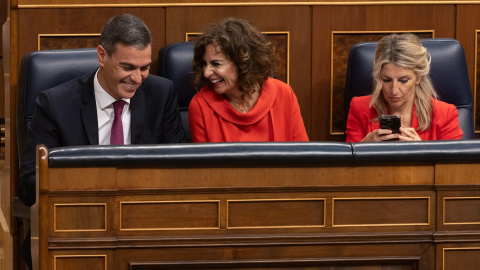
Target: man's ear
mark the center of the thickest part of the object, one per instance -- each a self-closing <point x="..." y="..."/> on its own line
<point x="101" y="55"/>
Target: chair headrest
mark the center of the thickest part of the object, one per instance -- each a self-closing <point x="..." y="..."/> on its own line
<point x="175" y="64"/>
<point x="41" y="70"/>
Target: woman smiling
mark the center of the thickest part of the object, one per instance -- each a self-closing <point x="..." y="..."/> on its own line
<point x="240" y="100"/>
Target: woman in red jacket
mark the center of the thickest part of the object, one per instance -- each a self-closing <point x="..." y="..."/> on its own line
<point x="240" y="101"/>
<point x="402" y="87"/>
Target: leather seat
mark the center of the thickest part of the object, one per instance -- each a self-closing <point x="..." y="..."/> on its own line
<point x="448" y="73"/>
<point x="175" y="64"/>
<point x="41" y="70"/>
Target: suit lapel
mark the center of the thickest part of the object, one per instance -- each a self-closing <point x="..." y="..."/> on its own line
<point x="137" y="104"/>
<point x="89" y="111"/>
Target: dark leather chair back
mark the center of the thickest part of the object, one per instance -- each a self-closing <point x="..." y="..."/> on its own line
<point x="448" y="73"/>
<point x="175" y="64"/>
<point x="42" y="70"/>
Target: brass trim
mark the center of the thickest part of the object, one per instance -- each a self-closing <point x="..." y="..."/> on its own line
<point x="288" y="49"/>
<point x="457" y="223"/>
<point x="77" y="204"/>
<point x="292" y="3"/>
<point x="381" y="198"/>
<point x="265" y="33"/>
<point x="475" y="82"/>
<point x="187" y="34"/>
<point x="451" y="249"/>
<point x="171" y="202"/>
<point x="331" y="62"/>
<point x="272" y="227"/>
<point x="39" y="36"/>
<point x="77" y="256"/>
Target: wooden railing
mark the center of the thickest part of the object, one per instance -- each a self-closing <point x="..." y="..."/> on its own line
<point x="275" y="206"/>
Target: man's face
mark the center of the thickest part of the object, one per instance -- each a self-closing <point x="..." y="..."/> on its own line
<point x="122" y="73"/>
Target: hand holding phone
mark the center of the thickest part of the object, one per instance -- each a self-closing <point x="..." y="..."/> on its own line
<point x="392" y="122"/>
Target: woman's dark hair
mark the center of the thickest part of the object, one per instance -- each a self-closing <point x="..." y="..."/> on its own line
<point x="250" y="51"/>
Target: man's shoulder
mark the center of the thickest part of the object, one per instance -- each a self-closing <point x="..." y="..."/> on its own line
<point x="72" y="87"/>
<point x="153" y="81"/>
<point x="154" y="88"/>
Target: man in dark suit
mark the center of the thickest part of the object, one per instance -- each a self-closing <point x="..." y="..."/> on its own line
<point x="80" y="112"/>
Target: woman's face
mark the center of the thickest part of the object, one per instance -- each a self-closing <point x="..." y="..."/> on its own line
<point x="220" y="71"/>
<point x="398" y="86"/>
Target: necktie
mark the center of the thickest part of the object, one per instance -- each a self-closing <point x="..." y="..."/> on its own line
<point x="116" y="136"/>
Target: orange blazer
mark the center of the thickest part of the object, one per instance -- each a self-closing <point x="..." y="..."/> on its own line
<point x="275" y="117"/>
<point x="444" y="125"/>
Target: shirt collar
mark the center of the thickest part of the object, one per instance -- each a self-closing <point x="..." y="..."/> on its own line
<point x="101" y="96"/>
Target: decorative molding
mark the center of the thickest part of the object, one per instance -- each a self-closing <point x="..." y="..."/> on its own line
<point x="55" y="206"/>
<point x="458" y="223"/>
<point x="455" y="249"/>
<point x="243" y="4"/>
<point x="380" y="224"/>
<point x="277" y="200"/>
<point x="55" y="257"/>
<point x="169" y="228"/>
<point x="40" y="36"/>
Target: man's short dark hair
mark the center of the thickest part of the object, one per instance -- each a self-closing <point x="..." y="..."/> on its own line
<point x="126" y="29"/>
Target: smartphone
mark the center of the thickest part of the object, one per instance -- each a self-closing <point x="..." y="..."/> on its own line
<point x="392" y="122"/>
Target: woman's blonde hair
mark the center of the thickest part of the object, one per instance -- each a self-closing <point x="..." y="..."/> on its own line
<point x="404" y="50"/>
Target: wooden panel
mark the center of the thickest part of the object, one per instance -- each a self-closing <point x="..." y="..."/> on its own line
<point x="276" y="213"/>
<point x="284" y="177"/>
<point x="181" y="21"/>
<point x="397" y="263"/>
<point x="327" y="257"/>
<point x="352" y="212"/>
<point x="461" y="258"/>
<point x="80" y="217"/>
<point x="65" y="22"/>
<point x="109" y="3"/>
<point x="169" y="215"/>
<point x="82" y="178"/>
<point x="80" y="262"/>
<point x="72" y="41"/>
<point x="458" y="174"/>
<point x="439" y="18"/>
<point x="467" y="27"/>
<point x="458" y="210"/>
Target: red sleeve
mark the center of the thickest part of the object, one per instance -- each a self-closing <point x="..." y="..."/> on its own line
<point x="299" y="132"/>
<point x="356" y="128"/>
<point x="451" y="128"/>
<point x="196" y="121"/>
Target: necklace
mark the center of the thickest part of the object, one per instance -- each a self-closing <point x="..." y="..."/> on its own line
<point x="239" y="108"/>
<point x="245" y="105"/>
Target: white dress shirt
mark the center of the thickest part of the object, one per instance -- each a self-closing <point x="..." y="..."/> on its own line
<point x="105" y="114"/>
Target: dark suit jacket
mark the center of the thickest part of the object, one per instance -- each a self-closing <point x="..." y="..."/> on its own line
<point x="66" y="116"/>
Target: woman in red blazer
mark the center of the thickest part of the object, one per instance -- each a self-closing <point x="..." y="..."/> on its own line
<point x="402" y="87"/>
<point x="240" y="101"/>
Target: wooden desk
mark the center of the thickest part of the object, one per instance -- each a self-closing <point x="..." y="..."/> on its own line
<point x="353" y="216"/>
